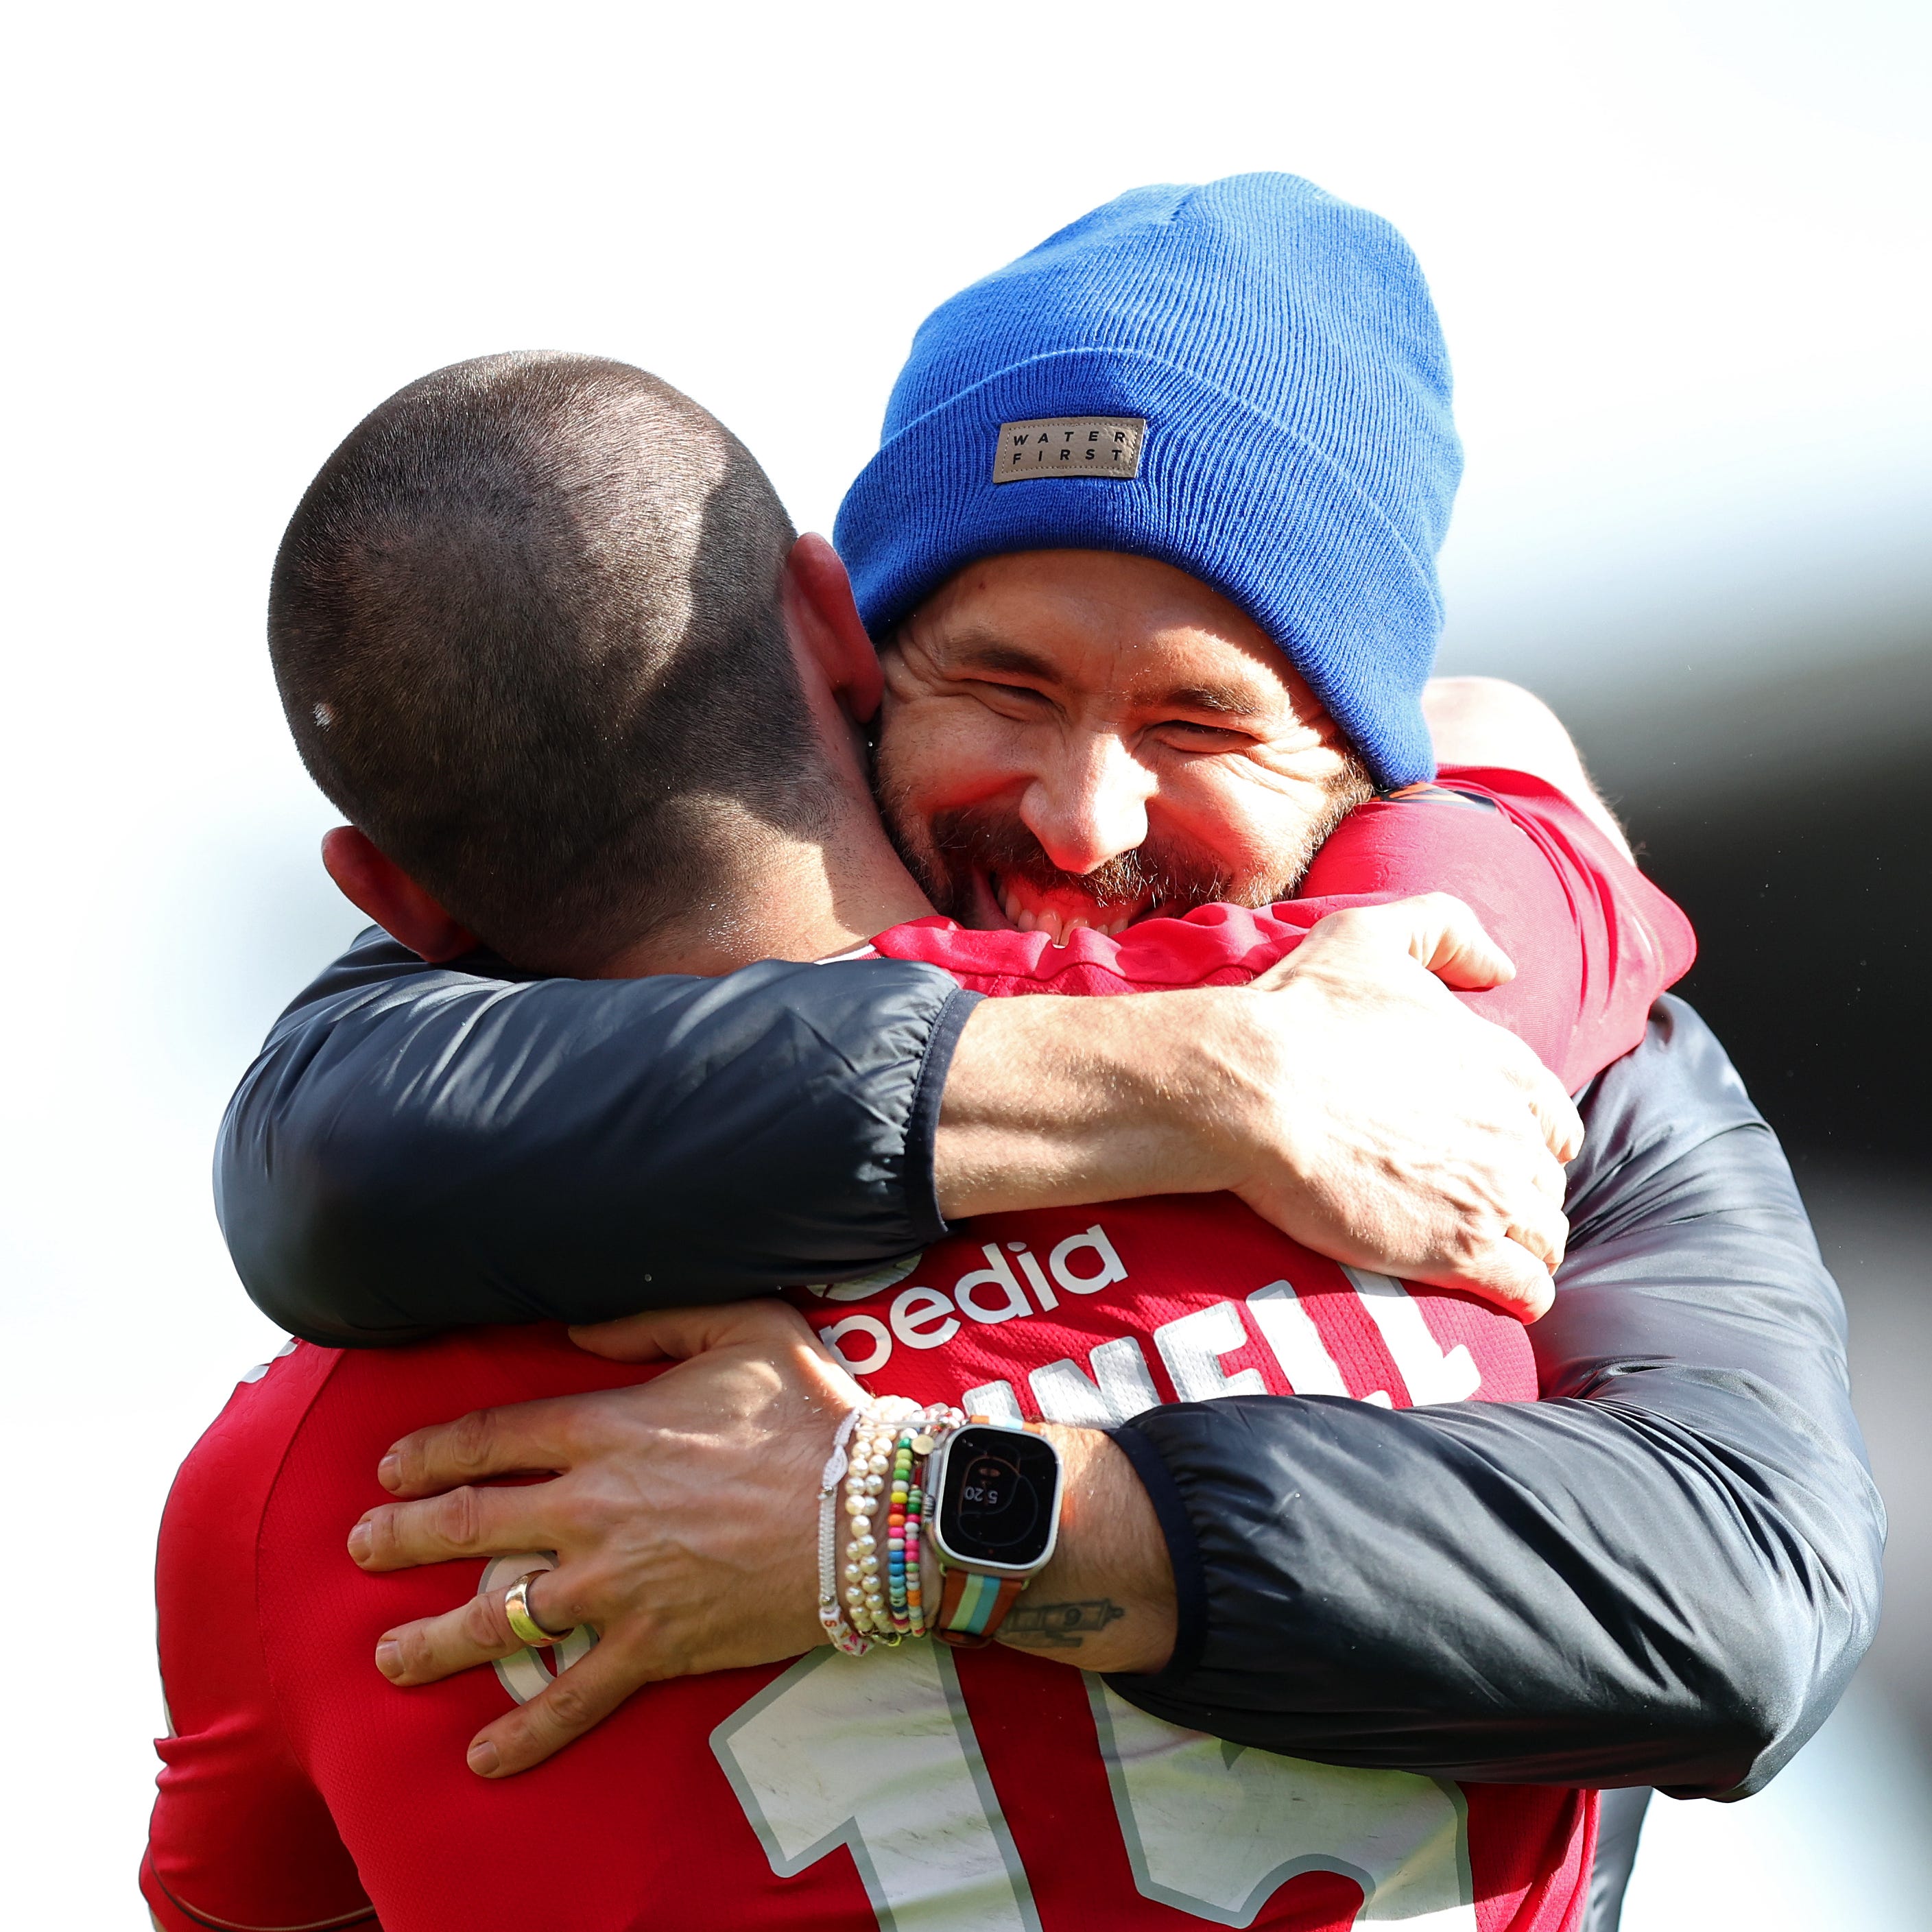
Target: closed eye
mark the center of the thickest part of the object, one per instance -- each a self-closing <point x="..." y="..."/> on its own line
<point x="1010" y="701"/>
<point x="1190" y="734"/>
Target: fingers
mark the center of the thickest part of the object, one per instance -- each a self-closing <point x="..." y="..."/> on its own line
<point x="581" y="1698"/>
<point x="508" y="1441"/>
<point x="464" y="1522"/>
<point x="1435" y="930"/>
<point x="630" y="1338"/>
<point x="1541" y="1230"/>
<point x="676" y="1334"/>
<point x="1546" y="1175"/>
<point x="1442" y="935"/>
<point x="1446" y="936"/>
<point x="1508" y="1276"/>
<point x="1556" y="1115"/>
<point x="434" y="1647"/>
<point x="1557" y="1119"/>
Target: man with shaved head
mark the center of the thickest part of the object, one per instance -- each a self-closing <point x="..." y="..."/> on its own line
<point x="479" y="515"/>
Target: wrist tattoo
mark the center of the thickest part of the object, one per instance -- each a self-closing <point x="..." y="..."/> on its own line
<point x="1057" y="1626"/>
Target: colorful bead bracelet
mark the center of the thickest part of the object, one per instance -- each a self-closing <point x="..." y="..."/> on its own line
<point x="880" y="1599"/>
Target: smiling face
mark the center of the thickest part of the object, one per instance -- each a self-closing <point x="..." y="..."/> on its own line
<point x="1084" y="738"/>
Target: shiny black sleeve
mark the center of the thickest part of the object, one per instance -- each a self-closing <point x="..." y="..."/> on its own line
<point x="686" y="1140"/>
<point x="1663" y="1573"/>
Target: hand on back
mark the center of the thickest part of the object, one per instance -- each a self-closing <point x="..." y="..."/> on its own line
<point x="683" y="1514"/>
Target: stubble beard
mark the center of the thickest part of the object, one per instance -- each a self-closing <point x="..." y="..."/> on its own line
<point x="951" y="853"/>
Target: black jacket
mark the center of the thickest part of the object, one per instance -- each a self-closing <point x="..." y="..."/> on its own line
<point x="1662" y="1575"/>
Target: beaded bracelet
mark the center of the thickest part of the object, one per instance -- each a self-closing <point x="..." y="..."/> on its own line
<point x="878" y="1592"/>
<point x="882" y="1600"/>
<point x="899" y="1612"/>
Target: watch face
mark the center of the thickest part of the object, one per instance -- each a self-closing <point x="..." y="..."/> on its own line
<point x="997" y="1507"/>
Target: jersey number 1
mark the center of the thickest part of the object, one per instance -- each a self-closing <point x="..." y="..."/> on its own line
<point x="879" y="1755"/>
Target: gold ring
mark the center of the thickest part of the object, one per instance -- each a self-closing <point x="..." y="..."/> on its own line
<point x="517" y="1610"/>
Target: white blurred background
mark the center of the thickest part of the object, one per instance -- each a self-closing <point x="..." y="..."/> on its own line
<point x="1681" y="252"/>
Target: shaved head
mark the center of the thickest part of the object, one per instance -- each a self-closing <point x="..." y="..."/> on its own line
<point x="526" y="624"/>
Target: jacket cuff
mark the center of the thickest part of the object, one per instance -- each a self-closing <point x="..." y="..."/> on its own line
<point x="921" y="1132"/>
<point x="1183" y="1552"/>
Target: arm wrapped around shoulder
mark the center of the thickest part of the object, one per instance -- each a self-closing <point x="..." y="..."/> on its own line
<point x="421" y="1147"/>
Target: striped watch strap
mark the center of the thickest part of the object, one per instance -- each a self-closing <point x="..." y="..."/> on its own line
<point x="973" y="1607"/>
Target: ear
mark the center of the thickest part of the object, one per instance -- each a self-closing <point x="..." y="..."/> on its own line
<point x="819" y="607"/>
<point x="376" y="884"/>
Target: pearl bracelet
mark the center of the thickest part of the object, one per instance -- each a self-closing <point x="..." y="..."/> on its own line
<point x="881" y="1600"/>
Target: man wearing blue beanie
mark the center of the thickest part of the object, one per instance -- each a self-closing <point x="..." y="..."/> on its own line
<point x="1245" y="381"/>
<point x="1162" y="498"/>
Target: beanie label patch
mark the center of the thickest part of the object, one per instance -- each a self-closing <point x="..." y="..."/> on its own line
<point x="1070" y="446"/>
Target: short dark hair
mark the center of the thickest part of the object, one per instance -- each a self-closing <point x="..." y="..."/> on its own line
<point x="526" y="626"/>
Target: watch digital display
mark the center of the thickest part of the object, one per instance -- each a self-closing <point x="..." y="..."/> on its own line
<point x="997" y="1506"/>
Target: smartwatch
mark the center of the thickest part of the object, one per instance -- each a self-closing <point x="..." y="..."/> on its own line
<point x="993" y="1526"/>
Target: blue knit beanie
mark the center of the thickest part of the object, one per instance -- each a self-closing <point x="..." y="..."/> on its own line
<point x="1246" y="380"/>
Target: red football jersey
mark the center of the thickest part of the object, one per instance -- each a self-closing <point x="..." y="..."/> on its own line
<point x="972" y="1792"/>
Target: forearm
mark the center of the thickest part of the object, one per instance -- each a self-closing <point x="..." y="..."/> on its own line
<point x="1054" y="1102"/>
<point x="1439" y="1600"/>
<point x="1106" y="1602"/>
<point x="419" y="1148"/>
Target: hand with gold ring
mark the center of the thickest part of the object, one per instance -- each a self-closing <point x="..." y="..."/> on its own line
<point x="673" y="1584"/>
<point x="517" y="1614"/>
